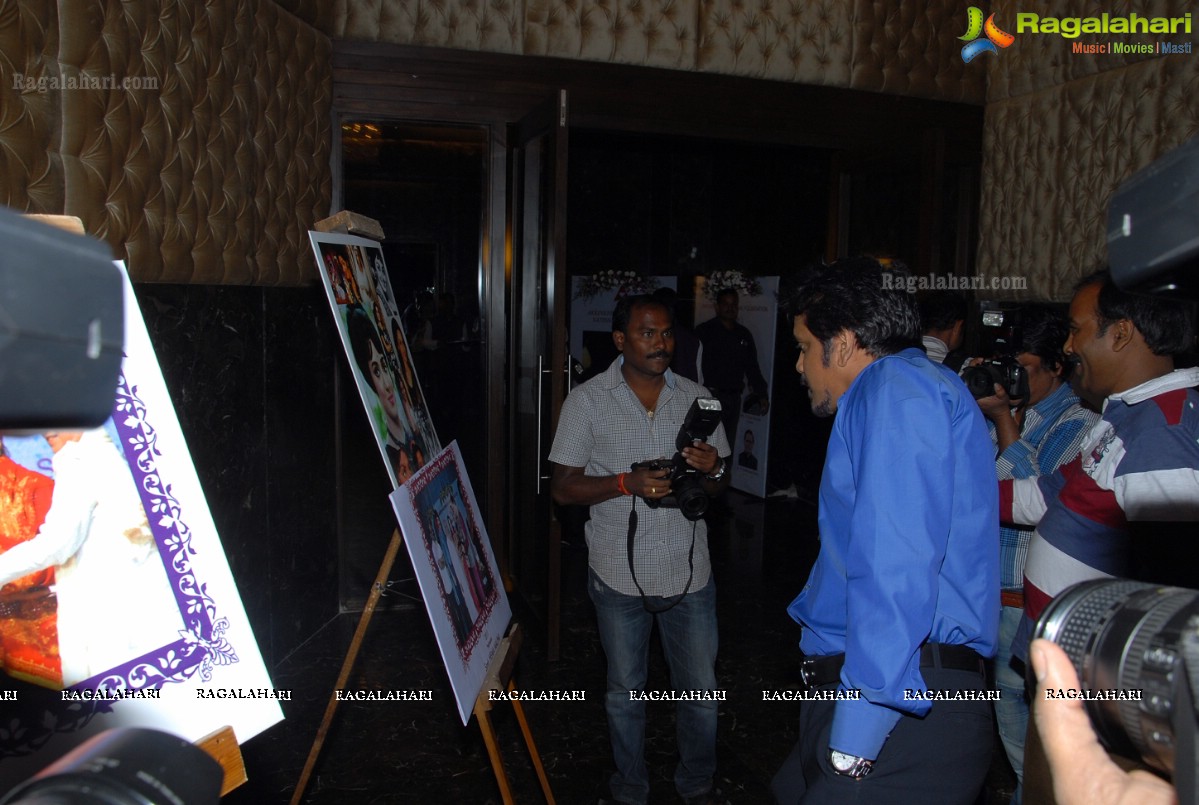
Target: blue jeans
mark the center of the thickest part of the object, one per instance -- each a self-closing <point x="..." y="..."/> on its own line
<point x="1011" y="711"/>
<point x="689" y="640"/>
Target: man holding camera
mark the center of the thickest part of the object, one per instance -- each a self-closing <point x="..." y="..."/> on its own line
<point x="1139" y="463"/>
<point x="647" y="561"/>
<point x="1034" y="435"/>
<point x="899" y="610"/>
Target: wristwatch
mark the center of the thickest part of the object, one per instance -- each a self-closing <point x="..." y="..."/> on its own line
<point x="849" y="765"/>
<point x="720" y="472"/>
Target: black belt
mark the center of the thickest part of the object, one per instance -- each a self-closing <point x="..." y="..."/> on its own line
<point x="826" y="670"/>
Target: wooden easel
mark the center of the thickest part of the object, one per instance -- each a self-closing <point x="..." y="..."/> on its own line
<point x="347" y="664"/>
<point x="499" y="678"/>
<point x="499" y="671"/>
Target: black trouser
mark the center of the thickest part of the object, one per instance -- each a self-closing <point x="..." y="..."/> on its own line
<point x="941" y="758"/>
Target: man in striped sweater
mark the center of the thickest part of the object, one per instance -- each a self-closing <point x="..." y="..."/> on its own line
<point x="1139" y="463"/>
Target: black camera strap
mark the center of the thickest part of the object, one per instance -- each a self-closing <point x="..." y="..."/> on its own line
<point x="633" y="572"/>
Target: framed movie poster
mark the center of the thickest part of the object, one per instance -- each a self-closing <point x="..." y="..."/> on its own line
<point x="117" y="607"/>
<point x="369" y="321"/>
<point x="456" y="569"/>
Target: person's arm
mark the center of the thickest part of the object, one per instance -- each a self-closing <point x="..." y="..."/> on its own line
<point x="899" y="530"/>
<point x="61" y="534"/>
<point x="1082" y="772"/>
<point x="998" y="409"/>
<point x="572" y="486"/>
<point x="1023" y="501"/>
<point x="1158" y="477"/>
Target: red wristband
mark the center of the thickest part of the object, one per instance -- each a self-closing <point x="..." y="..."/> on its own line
<point x="620" y="484"/>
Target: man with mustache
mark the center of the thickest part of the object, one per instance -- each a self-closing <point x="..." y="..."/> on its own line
<point x="1125" y="505"/>
<point x="632" y="413"/>
<point x="901" y="606"/>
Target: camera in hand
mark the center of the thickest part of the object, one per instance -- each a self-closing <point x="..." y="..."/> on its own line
<point x="686" y="481"/>
<point x="1126" y="637"/>
<point x="1004" y="370"/>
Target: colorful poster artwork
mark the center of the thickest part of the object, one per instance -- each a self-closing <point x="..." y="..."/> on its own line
<point x="456" y="569"/>
<point x="117" y="606"/>
<point x="355" y="278"/>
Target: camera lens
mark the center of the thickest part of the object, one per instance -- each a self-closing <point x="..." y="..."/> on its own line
<point x="980" y="381"/>
<point x="1125" y="639"/>
<point x="692" y="499"/>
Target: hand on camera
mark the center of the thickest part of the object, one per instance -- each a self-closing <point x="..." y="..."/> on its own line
<point x="1083" y="774"/>
<point x="651" y="484"/>
<point x="702" y="456"/>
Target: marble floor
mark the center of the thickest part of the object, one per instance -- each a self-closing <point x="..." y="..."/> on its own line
<point x="418" y="752"/>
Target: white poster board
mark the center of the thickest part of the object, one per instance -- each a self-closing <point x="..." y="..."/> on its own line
<point x="129" y="615"/>
<point x="759" y="315"/>
<point x="456" y="568"/>
<point x="364" y="307"/>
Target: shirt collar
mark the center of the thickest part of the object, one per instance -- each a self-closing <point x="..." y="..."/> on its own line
<point x="613" y="377"/>
<point x="1178" y="379"/>
<point x="1061" y="399"/>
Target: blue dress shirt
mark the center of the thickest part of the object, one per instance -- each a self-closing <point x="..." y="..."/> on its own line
<point x="909" y="529"/>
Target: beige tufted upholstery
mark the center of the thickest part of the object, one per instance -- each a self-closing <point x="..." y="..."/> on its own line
<point x="30" y="168"/>
<point x="654" y="33"/>
<point x="1062" y="131"/>
<point x="907" y="48"/>
<point x="216" y="170"/>
<point x="894" y="46"/>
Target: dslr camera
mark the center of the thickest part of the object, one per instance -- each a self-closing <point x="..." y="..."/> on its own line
<point x="1002" y="335"/>
<point x="1004" y="370"/>
<point x="688" y="493"/>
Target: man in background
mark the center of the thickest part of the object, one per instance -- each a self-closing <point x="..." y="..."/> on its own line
<point x="1033" y="437"/>
<point x="1125" y="506"/>
<point x="730" y="359"/>
<point x="943" y="319"/>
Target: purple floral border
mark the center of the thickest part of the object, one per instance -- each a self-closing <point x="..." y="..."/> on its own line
<point x="201" y="644"/>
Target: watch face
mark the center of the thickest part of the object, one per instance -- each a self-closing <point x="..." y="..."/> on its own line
<point x="842" y="761"/>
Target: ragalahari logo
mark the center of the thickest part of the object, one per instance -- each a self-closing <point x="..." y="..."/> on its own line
<point x="996" y="38"/>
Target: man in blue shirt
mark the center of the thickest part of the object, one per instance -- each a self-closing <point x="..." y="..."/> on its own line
<point x="900" y="608"/>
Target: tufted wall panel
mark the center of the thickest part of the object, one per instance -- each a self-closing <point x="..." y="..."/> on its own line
<point x="906" y="48"/>
<point x="30" y="168"/>
<point x="1053" y="157"/>
<point x="893" y="46"/>
<point x="491" y="25"/>
<point x="193" y="137"/>
<point x="652" y="33"/>
<point x="795" y="40"/>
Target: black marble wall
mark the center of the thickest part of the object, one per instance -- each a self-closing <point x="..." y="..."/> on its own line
<point x="251" y="372"/>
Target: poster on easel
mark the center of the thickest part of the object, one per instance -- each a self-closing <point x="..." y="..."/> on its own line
<point x="757" y="314"/>
<point x="117" y="605"/>
<point x="354" y="275"/>
<point x="457" y="571"/>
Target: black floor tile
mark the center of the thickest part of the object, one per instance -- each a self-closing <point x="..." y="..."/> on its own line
<point x="410" y="752"/>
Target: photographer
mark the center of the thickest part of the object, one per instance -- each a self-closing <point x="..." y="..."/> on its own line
<point x="1034" y="436"/>
<point x="630" y="414"/>
<point x="1139" y="463"/>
